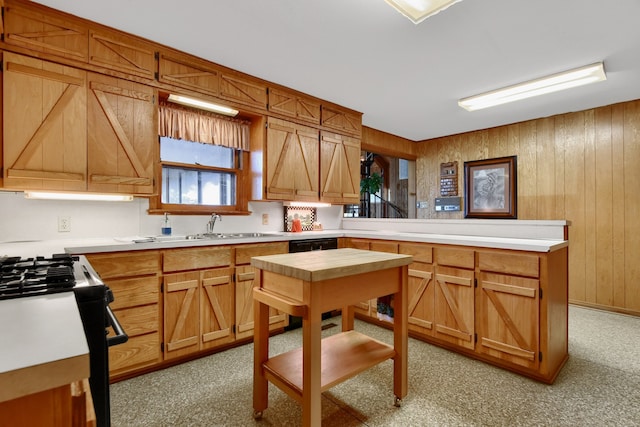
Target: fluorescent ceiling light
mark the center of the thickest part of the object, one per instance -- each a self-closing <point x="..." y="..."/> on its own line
<point x="556" y="82"/>
<point x="307" y="204"/>
<point x="197" y="103"/>
<point x="419" y="10"/>
<point x="78" y="196"/>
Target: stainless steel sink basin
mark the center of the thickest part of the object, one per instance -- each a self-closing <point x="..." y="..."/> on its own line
<point x="212" y="236"/>
<point x="232" y="235"/>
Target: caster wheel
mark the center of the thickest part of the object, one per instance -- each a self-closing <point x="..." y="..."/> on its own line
<point x="257" y="415"/>
<point x="397" y="402"/>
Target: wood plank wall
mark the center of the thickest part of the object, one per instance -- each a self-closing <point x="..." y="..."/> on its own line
<point x="583" y="167"/>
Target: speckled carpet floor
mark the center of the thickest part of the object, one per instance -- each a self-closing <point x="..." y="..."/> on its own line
<point x="599" y="386"/>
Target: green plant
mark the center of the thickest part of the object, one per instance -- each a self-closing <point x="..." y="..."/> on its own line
<point x="371" y="184"/>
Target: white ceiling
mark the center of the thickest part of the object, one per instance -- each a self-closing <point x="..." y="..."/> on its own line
<point x="405" y="78"/>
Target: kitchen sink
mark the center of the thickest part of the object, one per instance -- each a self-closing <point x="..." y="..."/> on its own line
<point x="212" y="236"/>
<point x="232" y="235"/>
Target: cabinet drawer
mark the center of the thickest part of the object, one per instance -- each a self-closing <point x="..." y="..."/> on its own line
<point x="196" y="258"/>
<point x="382" y="246"/>
<point x="134" y="292"/>
<point x="455" y="257"/>
<point x="515" y="264"/>
<point x="125" y="264"/>
<point x="421" y="253"/>
<point x="139" y="320"/>
<point x="139" y="351"/>
<point x="245" y="252"/>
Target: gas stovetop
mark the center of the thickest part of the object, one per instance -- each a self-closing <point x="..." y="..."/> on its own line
<point x="23" y="277"/>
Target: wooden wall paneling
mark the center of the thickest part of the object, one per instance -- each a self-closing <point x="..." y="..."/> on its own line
<point x="390" y="145"/>
<point x="1" y="114"/>
<point x="632" y="204"/>
<point x="618" y="211"/>
<point x="574" y="203"/>
<point x="591" y="251"/>
<point x="560" y="137"/>
<point x="545" y="169"/>
<point x="604" y="179"/>
<point x="527" y="168"/>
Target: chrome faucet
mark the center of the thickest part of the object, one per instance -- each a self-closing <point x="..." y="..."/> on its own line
<point x="212" y="222"/>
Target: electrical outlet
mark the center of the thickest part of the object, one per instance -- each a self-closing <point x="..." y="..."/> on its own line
<point x="64" y="224"/>
<point x="265" y="219"/>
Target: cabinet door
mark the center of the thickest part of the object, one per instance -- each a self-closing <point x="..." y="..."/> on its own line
<point x="292" y="160"/>
<point x="239" y="88"/>
<point x="339" y="168"/>
<point x="181" y="314"/>
<point x="123" y="136"/>
<point x="45" y="32"/>
<point x="454" y="306"/>
<point x="45" y="133"/>
<point x="292" y="105"/>
<point x="508" y="317"/>
<point x="216" y="308"/>
<point x="421" y="287"/>
<point x="189" y="73"/>
<point x="122" y="53"/>
<point x="341" y="120"/>
<point x="247" y="278"/>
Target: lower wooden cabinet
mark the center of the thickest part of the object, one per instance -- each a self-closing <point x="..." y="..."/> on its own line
<point x="505" y="307"/>
<point x="134" y="279"/>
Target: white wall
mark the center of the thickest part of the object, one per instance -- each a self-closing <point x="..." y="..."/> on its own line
<point x="25" y="219"/>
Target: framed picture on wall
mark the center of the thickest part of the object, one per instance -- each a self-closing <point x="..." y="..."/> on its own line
<point x="490" y="188"/>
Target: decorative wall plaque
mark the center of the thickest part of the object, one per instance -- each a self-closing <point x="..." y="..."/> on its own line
<point x="449" y="179"/>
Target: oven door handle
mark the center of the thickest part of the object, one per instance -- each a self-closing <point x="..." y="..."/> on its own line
<point x="121" y="336"/>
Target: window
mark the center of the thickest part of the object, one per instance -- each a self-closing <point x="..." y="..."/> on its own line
<point x="198" y="177"/>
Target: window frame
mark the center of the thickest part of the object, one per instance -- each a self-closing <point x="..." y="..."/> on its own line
<point x="241" y="170"/>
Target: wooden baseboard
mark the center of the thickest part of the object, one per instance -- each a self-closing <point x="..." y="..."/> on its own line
<point x="606" y="308"/>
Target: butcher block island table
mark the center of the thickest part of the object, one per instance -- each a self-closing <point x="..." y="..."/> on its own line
<point x="308" y="284"/>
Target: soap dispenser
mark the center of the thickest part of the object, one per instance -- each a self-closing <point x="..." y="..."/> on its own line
<point x="166" y="225"/>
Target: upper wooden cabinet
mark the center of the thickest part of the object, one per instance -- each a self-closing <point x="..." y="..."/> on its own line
<point x="122" y="53"/>
<point x="45" y="126"/>
<point x="342" y="120"/>
<point x="187" y="72"/>
<point x="339" y="168"/>
<point x="122" y="135"/>
<point x="243" y="89"/>
<point x="292" y="160"/>
<point x="55" y="34"/>
<point x="294" y="106"/>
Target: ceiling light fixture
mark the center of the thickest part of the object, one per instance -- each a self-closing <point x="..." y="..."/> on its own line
<point x="197" y="103"/>
<point x="419" y="10"/>
<point x="44" y="195"/>
<point x="553" y="83"/>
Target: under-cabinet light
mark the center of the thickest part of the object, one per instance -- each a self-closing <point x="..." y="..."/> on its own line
<point x="572" y="78"/>
<point x="197" y="103"/>
<point x="78" y="196"/>
<point x="419" y="10"/>
<point x="307" y="204"/>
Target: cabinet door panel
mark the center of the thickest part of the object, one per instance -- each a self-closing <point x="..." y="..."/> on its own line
<point x="46" y="33"/>
<point x="292" y="105"/>
<point x="292" y="161"/>
<point x="508" y="318"/>
<point x="339" y="168"/>
<point x="247" y="278"/>
<point x="181" y="314"/>
<point x="454" y="306"/>
<point x="189" y="73"/>
<point x="342" y="121"/>
<point x="48" y="149"/>
<point x="216" y="307"/>
<point x="123" y="136"/>
<point x="243" y="90"/>
<point x="121" y="53"/>
<point x="421" y="287"/>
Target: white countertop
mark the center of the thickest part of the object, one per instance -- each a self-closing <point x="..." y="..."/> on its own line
<point x="116" y="245"/>
<point x="42" y="343"/>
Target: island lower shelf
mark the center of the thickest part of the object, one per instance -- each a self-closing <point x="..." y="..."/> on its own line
<point x="343" y="356"/>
